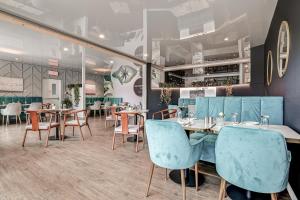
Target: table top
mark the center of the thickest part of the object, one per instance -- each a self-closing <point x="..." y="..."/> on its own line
<point x="134" y="111"/>
<point x="290" y="135"/>
<point x="58" y="110"/>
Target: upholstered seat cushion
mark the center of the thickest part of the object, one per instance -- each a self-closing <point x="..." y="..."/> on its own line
<point x="131" y="129"/>
<point x="111" y="118"/>
<point x="43" y="125"/>
<point x="75" y="122"/>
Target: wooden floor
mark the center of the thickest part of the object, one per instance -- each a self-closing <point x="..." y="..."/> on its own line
<point x="88" y="169"/>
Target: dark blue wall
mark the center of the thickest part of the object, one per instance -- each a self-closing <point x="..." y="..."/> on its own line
<point x="289" y="85"/>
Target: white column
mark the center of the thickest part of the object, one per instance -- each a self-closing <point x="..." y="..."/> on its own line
<point x="83" y="76"/>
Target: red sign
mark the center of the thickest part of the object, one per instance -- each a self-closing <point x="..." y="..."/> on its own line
<point x="52" y="73"/>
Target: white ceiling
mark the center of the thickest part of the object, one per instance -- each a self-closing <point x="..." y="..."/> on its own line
<point x="186" y="22"/>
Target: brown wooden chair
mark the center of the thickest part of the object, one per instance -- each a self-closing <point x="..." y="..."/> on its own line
<point x="110" y="115"/>
<point x="76" y="121"/>
<point x="165" y="114"/>
<point x="126" y="129"/>
<point x="36" y="125"/>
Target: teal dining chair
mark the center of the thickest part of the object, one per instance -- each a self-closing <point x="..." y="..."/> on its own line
<point x="253" y="159"/>
<point x="170" y="148"/>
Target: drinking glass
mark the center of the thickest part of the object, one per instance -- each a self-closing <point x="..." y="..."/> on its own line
<point x="264" y="120"/>
<point x="191" y="116"/>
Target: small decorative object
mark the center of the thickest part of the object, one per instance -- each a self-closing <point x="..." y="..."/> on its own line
<point x="228" y="88"/>
<point x="283" y="48"/>
<point x="166" y="93"/>
<point x="125" y="74"/>
<point x="269" y="67"/>
<point x="220" y="119"/>
<point x="67" y="102"/>
<point x="138" y="87"/>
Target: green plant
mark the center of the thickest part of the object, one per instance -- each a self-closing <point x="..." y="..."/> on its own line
<point x="76" y="94"/>
<point x="67" y="102"/>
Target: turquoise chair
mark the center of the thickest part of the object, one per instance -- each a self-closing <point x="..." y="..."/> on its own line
<point x="170" y="148"/>
<point x="253" y="159"/>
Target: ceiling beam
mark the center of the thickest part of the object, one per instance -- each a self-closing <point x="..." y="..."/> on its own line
<point x="52" y="31"/>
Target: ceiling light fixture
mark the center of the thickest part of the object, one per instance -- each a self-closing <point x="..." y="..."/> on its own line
<point x="66" y="49"/>
<point x="11" y="51"/>
<point x="102" y="70"/>
<point x="226" y="39"/>
<point x="111" y="62"/>
<point x="101" y="36"/>
<point x="90" y="62"/>
<point x="16" y="58"/>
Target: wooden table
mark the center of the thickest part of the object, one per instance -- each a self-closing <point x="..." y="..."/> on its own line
<point x="289" y="134"/>
<point x="58" y="112"/>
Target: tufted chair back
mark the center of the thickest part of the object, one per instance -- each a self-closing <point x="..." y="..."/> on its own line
<point x="253" y="159"/>
<point x="169" y="146"/>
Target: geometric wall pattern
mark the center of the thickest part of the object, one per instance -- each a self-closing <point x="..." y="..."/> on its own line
<point x="33" y="76"/>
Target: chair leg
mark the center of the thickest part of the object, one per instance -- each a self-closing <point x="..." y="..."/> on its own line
<point x="137" y="143"/>
<point x="150" y="178"/>
<point x="183" y="184"/>
<point x="166" y="177"/>
<point x="24" y="138"/>
<point x="143" y="139"/>
<point x="7" y="119"/>
<point x="105" y="123"/>
<point x="114" y="140"/>
<point x="81" y="133"/>
<point x="3" y="119"/>
<point x="89" y="129"/>
<point x="63" y="134"/>
<point x="196" y="176"/>
<point x="40" y="137"/>
<point x="47" y="139"/>
<point x="222" y="189"/>
<point x="274" y="196"/>
<point x="19" y="119"/>
<point x="16" y="119"/>
<point x="123" y="138"/>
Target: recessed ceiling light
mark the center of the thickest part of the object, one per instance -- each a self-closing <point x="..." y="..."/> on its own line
<point x="17" y="58"/>
<point x="101" y="36"/>
<point x="111" y="62"/>
<point x="145" y="55"/>
<point x="102" y="70"/>
<point x="226" y="39"/>
<point x="66" y="49"/>
<point x="90" y="62"/>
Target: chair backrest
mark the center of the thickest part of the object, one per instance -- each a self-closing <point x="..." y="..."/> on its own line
<point x="34" y="118"/>
<point x="124" y="123"/>
<point x="35" y="106"/>
<point x="97" y="104"/>
<point x="253" y="159"/>
<point x="168" y="143"/>
<point x="13" y="109"/>
<point x="107" y="103"/>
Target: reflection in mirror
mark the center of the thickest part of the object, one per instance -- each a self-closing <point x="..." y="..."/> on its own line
<point x="283" y="48"/>
<point x="269" y="67"/>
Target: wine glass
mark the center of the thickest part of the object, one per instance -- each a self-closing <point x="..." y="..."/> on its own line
<point x="191" y="116"/>
<point x="234" y="117"/>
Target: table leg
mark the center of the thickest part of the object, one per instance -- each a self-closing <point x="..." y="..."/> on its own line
<point x="189" y="179"/>
<point x="236" y="193"/>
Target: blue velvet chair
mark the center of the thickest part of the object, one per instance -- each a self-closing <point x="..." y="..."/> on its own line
<point x="252" y="159"/>
<point x="170" y="148"/>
